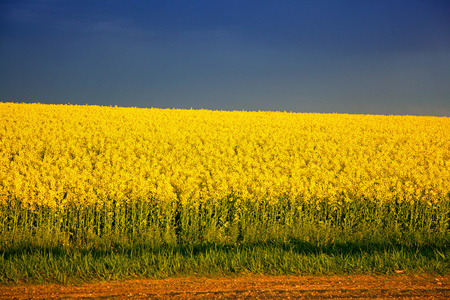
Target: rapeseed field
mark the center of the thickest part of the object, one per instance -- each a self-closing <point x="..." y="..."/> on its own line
<point x="178" y="175"/>
<point x="111" y="193"/>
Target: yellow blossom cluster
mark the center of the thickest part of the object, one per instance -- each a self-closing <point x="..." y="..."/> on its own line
<point x="60" y="155"/>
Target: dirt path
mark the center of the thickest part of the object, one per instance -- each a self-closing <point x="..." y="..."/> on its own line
<point x="249" y="287"/>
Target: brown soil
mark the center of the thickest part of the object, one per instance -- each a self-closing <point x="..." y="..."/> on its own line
<point x="248" y="287"/>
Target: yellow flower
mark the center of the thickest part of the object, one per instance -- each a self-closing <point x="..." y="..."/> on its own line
<point x="61" y="155"/>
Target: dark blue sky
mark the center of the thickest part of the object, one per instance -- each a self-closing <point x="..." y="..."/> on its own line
<point x="371" y="57"/>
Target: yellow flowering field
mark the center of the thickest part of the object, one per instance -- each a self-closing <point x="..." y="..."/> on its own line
<point x="66" y="157"/>
<point x="58" y="155"/>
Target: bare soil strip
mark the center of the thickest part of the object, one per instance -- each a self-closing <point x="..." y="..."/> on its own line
<point x="248" y="287"/>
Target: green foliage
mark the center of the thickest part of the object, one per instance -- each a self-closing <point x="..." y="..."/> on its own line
<point x="233" y="236"/>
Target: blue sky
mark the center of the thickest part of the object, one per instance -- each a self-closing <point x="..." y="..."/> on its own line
<point x="369" y="57"/>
